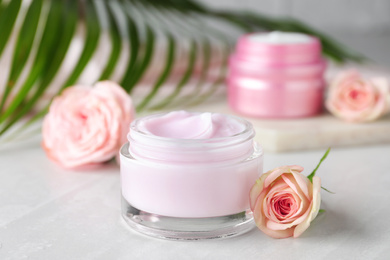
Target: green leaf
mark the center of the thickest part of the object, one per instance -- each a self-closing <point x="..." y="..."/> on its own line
<point x="91" y="42"/>
<point x="1" y="7"/>
<point x="59" y="51"/>
<point x="164" y="75"/>
<point x="48" y="42"/>
<point x="313" y="173"/>
<point x="25" y="39"/>
<point x="192" y="29"/>
<point x="321" y="211"/>
<point x="205" y="68"/>
<point x="126" y="82"/>
<point x="116" y="45"/>
<point x="144" y="63"/>
<point x="331" y="48"/>
<point x="328" y="190"/>
<point x="22" y="49"/>
<point x="183" y="81"/>
<point x="217" y="83"/>
<point x="7" y="21"/>
<point x="137" y="65"/>
<point x="57" y="46"/>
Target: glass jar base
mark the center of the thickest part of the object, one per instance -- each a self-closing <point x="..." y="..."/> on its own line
<point x="174" y="228"/>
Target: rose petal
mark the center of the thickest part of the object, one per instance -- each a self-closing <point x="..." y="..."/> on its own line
<point x="274" y="174"/>
<point x="261" y="221"/>
<point x="278" y="186"/>
<point x="302" y="181"/>
<point x="314" y="209"/>
<point x="356" y="99"/>
<point x="85" y="125"/>
<point x="292" y="182"/>
<point x="256" y="190"/>
<point x="123" y="100"/>
<point x="258" y="210"/>
<point x="305" y="202"/>
<point x="278" y="233"/>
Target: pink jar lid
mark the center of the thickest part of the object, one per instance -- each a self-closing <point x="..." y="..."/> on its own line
<point x="276" y="75"/>
<point x="259" y="68"/>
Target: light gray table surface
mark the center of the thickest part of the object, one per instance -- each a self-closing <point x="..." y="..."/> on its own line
<point x="50" y="213"/>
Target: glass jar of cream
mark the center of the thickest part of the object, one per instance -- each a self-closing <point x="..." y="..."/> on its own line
<point x="187" y="175"/>
<point x="276" y="75"/>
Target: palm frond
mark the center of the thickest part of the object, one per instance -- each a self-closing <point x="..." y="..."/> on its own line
<point x="55" y="44"/>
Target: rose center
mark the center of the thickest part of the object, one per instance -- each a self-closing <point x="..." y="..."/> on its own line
<point x="354" y="94"/>
<point x="283" y="206"/>
<point x="358" y="96"/>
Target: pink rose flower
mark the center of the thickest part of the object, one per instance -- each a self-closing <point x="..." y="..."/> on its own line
<point x="284" y="201"/>
<point x="355" y="99"/>
<point x="87" y="125"/>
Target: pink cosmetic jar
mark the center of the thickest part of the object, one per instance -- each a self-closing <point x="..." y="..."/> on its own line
<point x="276" y="75"/>
<point x="187" y="175"/>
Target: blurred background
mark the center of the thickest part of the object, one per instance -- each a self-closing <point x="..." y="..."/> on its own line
<point x="168" y="54"/>
<point x="360" y="24"/>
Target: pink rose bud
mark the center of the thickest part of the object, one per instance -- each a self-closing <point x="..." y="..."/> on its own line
<point x="87" y="125"/>
<point x="284" y="201"/>
<point x="356" y="99"/>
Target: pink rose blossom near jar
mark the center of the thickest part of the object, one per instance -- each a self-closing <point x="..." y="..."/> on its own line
<point x="276" y="75"/>
<point x="86" y="125"/>
<point x="187" y="175"/>
<point x="353" y="98"/>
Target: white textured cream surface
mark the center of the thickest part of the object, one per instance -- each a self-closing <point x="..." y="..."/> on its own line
<point x="189" y="125"/>
<point x="277" y="37"/>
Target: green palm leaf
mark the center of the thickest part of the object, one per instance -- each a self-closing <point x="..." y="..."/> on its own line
<point x="7" y="20"/>
<point x="45" y="32"/>
<point x="116" y="43"/>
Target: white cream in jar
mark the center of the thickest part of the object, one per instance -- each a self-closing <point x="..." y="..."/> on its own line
<point x="190" y="165"/>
